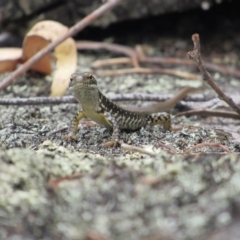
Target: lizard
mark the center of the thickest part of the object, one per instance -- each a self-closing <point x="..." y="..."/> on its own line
<point x="97" y="107"/>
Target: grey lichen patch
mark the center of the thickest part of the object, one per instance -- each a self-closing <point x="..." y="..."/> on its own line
<point x="109" y="195"/>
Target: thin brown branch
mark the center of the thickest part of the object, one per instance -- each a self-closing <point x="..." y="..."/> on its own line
<point x="111" y="61"/>
<point x="110" y="47"/>
<point x="205" y="144"/>
<point x="114" y="97"/>
<point x="72" y="31"/>
<point x="57" y="131"/>
<point x="176" y="73"/>
<point x="55" y="183"/>
<point x="196" y="56"/>
<point x="137" y="55"/>
<point x="208" y="113"/>
<point x="223" y="69"/>
<point x="179" y="61"/>
<point x="37" y="100"/>
<point x="169" y="61"/>
<point x="137" y="149"/>
<point x="170" y="149"/>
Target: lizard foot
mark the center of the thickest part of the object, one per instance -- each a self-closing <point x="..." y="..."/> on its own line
<point x="69" y="138"/>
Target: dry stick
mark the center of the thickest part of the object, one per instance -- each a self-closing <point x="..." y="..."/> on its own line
<point x="165" y="99"/>
<point x="55" y="183"/>
<point x="137" y="149"/>
<point x="223" y="69"/>
<point x="138" y="55"/>
<point x="205" y="144"/>
<point x="111" y="61"/>
<point x="37" y="100"/>
<point x="72" y="31"/>
<point x="147" y="71"/>
<point x="114" y="97"/>
<point x="57" y="131"/>
<point x="196" y="56"/>
<point x="110" y="47"/>
<point x="170" y="149"/>
<point x="178" y="61"/>
<point x="213" y="113"/>
<point x="71" y="99"/>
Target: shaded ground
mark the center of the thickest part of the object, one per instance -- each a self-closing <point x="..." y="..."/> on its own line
<point x="118" y="194"/>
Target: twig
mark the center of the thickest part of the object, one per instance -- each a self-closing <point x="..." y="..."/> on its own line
<point x="190" y="102"/>
<point x="37" y="100"/>
<point x="223" y="69"/>
<point x="137" y="55"/>
<point x="115" y="97"/>
<point x="111" y="47"/>
<point x="57" y="130"/>
<point x="178" y="61"/>
<point x="212" y="113"/>
<point x="196" y="56"/>
<point x="180" y="74"/>
<point x="169" y="61"/>
<point x="55" y="183"/>
<point x="137" y="149"/>
<point x="205" y="144"/>
<point x="170" y="148"/>
<point x="72" y="31"/>
<point x="111" y="61"/>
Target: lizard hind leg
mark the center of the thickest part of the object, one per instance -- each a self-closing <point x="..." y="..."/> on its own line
<point x="161" y="118"/>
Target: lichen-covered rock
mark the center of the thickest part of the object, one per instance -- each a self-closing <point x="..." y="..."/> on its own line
<point x="194" y="195"/>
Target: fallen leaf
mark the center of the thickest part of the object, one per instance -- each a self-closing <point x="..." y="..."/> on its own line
<point x="9" y="58"/>
<point x="65" y="53"/>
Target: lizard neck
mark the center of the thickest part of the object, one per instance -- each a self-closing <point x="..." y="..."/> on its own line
<point x="88" y="96"/>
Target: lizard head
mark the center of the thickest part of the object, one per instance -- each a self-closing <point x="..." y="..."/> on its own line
<point x="81" y="79"/>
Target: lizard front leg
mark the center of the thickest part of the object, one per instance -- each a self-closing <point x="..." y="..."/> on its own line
<point x="115" y="136"/>
<point x="74" y="126"/>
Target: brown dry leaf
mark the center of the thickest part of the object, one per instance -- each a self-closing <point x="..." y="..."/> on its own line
<point x="65" y="53"/>
<point x="9" y="58"/>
